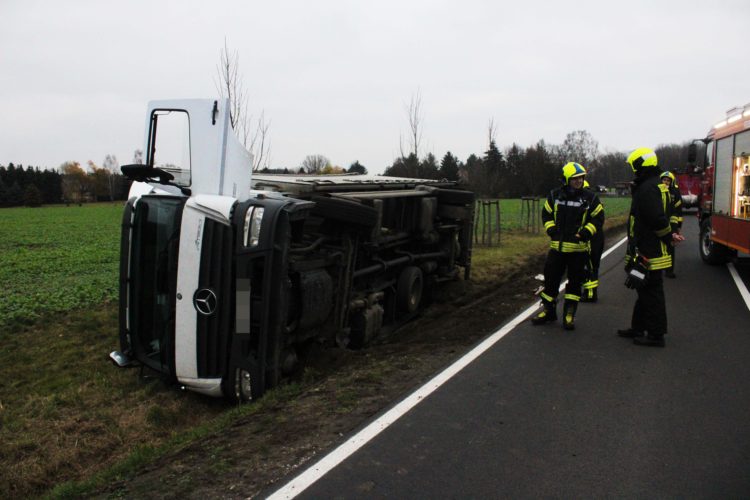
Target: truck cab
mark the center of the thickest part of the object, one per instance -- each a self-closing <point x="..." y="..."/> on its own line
<point x="226" y="275"/>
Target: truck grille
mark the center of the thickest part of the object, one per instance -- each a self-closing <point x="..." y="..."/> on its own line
<point x="213" y="330"/>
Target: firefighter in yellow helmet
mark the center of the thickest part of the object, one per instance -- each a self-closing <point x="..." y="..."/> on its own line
<point x="596" y="248"/>
<point x="675" y="218"/>
<point x="649" y="235"/>
<point x="571" y="217"/>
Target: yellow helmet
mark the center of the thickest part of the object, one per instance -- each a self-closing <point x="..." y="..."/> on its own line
<point x="642" y="157"/>
<point x="572" y="169"/>
<point x="667" y="173"/>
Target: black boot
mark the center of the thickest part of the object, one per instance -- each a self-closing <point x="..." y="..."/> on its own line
<point x="589" y="292"/>
<point x="630" y="333"/>
<point x="569" y="314"/>
<point x="650" y="340"/>
<point x="547" y="315"/>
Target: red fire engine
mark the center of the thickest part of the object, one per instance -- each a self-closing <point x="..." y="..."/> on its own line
<point x="689" y="182"/>
<point x="724" y="202"/>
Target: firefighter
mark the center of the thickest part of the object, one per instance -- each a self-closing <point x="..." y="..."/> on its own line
<point x="596" y="247"/>
<point x="571" y="217"/>
<point x="649" y="236"/>
<point x="675" y="218"/>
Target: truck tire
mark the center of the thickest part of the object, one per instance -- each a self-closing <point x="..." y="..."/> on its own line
<point x="409" y="289"/>
<point x="345" y="211"/>
<point x="711" y="252"/>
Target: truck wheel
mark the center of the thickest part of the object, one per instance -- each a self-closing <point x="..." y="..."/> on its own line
<point x="409" y="289"/>
<point x="711" y="252"/>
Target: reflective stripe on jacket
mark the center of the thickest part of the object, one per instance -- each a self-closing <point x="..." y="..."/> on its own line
<point x="649" y="229"/>
<point x="568" y="212"/>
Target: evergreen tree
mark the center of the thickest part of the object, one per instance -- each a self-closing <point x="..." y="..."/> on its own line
<point x="540" y="173"/>
<point x="404" y="167"/>
<point x="496" y="172"/>
<point x="50" y="185"/>
<point x="428" y="168"/>
<point x="15" y="195"/>
<point x="515" y="166"/>
<point x="449" y="167"/>
<point x="32" y="196"/>
<point x="474" y="174"/>
<point x="10" y="175"/>
<point x="3" y="193"/>
<point x="357" y="168"/>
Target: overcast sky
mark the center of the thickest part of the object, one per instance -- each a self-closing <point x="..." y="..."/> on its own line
<point x="334" y="77"/>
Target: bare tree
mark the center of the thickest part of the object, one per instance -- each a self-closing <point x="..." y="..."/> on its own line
<point x="112" y="167"/>
<point x="230" y="85"/>
<point x="138" y="157"/>
<point x="491" y="132"/>
<point x="260" y="146"/>
<point x="415" y="116"/>
<point x="314" y="164"/>
<point x="581" y="147"/>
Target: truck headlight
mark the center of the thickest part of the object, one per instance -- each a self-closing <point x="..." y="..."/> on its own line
<point x="253" y="221"/>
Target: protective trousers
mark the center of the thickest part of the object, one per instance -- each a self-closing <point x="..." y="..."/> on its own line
<point x="596" y="248"/>
<point x="650" y="311"/>
<point x="554" y="269"/>
<point x="670" y="249"/>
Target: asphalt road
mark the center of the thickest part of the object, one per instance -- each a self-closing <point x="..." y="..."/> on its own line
<point x="549" y="413"/>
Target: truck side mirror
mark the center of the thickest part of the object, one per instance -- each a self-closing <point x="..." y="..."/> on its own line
<point x="692" y="153"/>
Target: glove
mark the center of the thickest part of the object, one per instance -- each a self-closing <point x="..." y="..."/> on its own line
<point x="637" y="272"/>
<point x="553" y="232"/>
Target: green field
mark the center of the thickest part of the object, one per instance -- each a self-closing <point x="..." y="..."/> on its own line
<point x="57" y="258"/>
<point x="520" y="215"/>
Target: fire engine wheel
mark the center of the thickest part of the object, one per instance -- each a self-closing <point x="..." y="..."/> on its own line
<point x="409" y="289"/>
<point x="345" y="211"/>
<point x="711" y="252"/>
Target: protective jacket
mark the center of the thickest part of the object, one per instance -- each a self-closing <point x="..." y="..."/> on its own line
<point x="568" y="212"/>
<point x="675" y="215"/>
<point x="649" y="229"/>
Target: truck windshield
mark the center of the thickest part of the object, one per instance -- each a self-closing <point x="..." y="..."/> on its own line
<point x="153" y="279"/>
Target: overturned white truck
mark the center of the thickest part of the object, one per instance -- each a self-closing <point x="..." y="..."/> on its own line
<point x="225" y="273"/>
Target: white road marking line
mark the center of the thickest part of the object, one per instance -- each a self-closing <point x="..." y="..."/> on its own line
<point x="343" y="451"/>
<point x="744" y="293"/>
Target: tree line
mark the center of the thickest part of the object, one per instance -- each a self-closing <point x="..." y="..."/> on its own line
<point x="70" y="183"/>
<point x="532" y="171"/>
<point x="511" y="173"/>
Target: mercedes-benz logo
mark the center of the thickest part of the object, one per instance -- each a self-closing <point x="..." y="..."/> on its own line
<point x="205" y="301"/>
